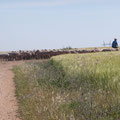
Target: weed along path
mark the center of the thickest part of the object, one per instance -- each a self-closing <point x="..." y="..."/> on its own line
<point x="8" y="102"/>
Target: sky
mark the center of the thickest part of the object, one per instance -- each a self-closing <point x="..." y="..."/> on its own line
<point x="54" y="24"/>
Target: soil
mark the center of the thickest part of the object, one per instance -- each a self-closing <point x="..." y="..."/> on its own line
<point x="8" y="101"/>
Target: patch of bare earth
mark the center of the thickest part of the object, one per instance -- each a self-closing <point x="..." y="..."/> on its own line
<point x="8" y="101"/>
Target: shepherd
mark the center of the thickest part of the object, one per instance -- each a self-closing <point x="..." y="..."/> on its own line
<point x="115" y="44"/>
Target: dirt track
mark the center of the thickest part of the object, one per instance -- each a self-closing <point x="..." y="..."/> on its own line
<point x="8" y="102"/>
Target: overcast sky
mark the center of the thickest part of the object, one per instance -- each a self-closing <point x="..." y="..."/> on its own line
<point x="49" y="24"/>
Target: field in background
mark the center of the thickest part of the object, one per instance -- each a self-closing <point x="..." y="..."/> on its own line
<point x="66" y="48"/>
<point x="4" y="52"/>
<point x="70" y="87"/>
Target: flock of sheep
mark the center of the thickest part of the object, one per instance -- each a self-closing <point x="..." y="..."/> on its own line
<point x="44" y="54"/>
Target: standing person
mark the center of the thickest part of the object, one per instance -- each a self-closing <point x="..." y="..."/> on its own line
<point x="115" y="44"/>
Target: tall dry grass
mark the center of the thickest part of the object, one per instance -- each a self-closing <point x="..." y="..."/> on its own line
<point x="70" y="87"/>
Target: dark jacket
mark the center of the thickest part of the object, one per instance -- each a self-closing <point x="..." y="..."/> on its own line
<point x="115" y="44"/>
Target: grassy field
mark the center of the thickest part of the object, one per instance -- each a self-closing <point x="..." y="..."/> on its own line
<point x="70" y="87"/>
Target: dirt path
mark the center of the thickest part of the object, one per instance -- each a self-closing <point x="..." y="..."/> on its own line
<point x="8" y="102"/>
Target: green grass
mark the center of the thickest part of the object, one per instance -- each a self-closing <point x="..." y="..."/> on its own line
<point x="70" y="87"/>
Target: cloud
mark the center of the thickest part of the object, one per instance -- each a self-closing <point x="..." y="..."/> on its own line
<point x="37" y="4"/>
<point x="48" y="3"/>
